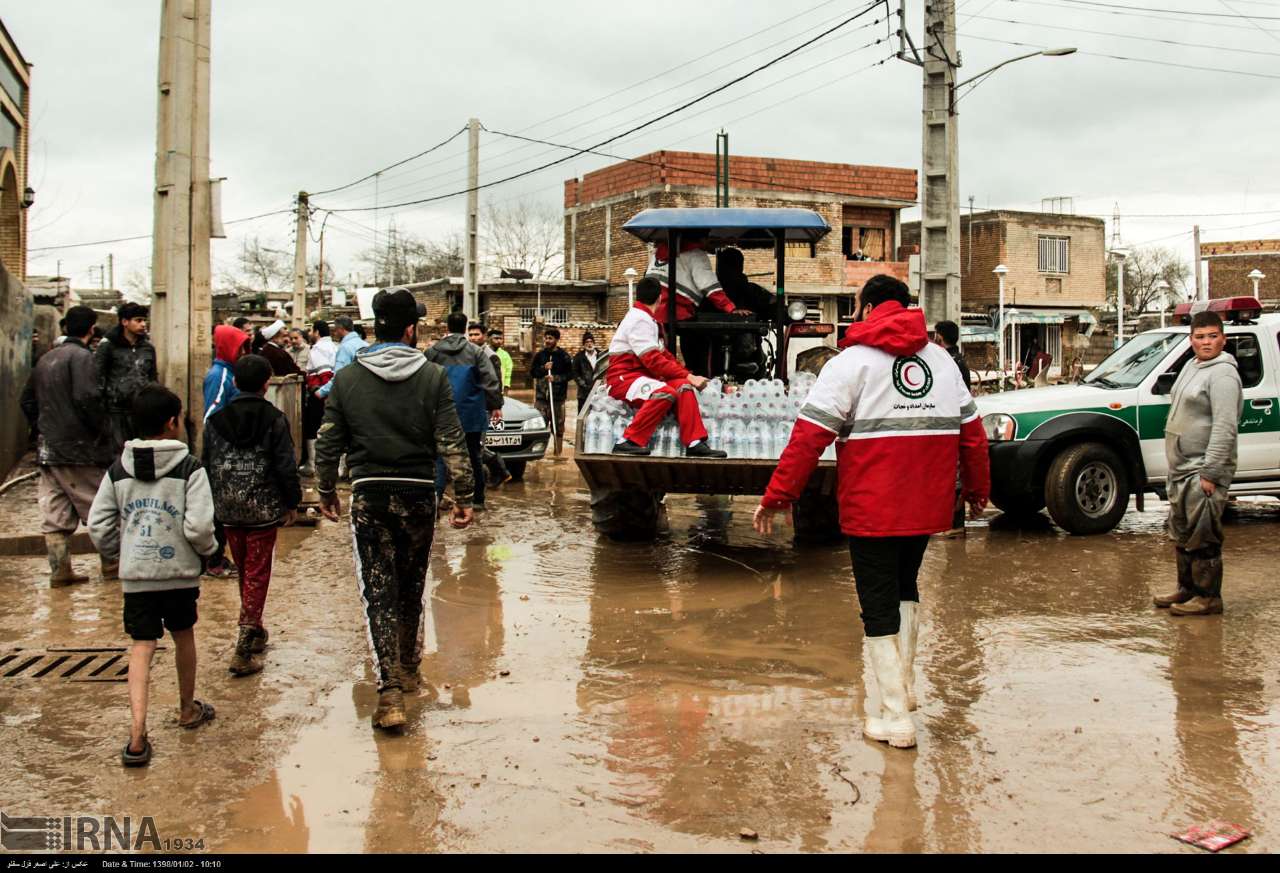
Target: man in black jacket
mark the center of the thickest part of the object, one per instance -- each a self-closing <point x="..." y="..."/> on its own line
<point x="74" y="447"/>
<point x="392" y="413"/>
<point x="584" y="368"/>
<point x="253" y="473"/>
<point x="552" y="368"/>
<point x="947" y="335"/>
<point x="126" y="361"/>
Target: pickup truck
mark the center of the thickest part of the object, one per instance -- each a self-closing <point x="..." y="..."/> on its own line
<point x="1082" y="450"/>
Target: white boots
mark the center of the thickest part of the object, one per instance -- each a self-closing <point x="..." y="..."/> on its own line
<point x="893" y="660"/>
<point x="907" y="633"/>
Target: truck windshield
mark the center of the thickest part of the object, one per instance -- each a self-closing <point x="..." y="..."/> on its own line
<point x="1128" y="365"/>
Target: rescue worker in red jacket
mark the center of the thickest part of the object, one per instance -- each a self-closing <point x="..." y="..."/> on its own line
<point x="644" y="374"/>
<point x="902" y="420"/>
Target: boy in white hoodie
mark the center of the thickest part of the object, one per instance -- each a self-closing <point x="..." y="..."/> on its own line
<point x="154" y="513"/>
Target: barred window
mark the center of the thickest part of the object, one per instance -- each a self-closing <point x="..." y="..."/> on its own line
<point x="550" y="315"/>
<point x="1055" y="254"/>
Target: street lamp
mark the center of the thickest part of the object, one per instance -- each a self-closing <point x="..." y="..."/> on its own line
<point x="630" y="273"/>
<point x="1119" y="255"/>
<point x="1000" y="271"/>
<point x="973" y="81"/>
<point x="1162" y="288"/>
<point x="1256" y="276"/>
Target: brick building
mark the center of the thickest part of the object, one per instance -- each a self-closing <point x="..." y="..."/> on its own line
<point x="15" y="302"/>
<point x="1230" y="264"/>
<point x="1056" y="277"/>
<point x="861" y="204"/>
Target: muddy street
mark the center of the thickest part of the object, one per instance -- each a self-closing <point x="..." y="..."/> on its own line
<point x="590" y="695"/>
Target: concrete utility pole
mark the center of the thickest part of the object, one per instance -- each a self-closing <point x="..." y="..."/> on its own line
<point x="181" y="311"/>
<point x="1201" y="292"/>
<point x="471" y="266"/>
<point x="300" y="262"/>
<point x="940" y="176"/>
<point x="111" y="272"/>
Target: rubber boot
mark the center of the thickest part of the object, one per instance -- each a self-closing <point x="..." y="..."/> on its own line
<point x="309" y="468"/>
<point x="259" y="643"/>
<point x="410" y="678"/>
<point x="1185" y="590"/>
<point x="110" y="570"/>
<point x="61" y="573"/>
<point x="390" y="712"/>
<point x="243" y="661"/>
<point x="908" y="633"/>
<point x="892" y="724"/>
<point x="1206" y="573"/>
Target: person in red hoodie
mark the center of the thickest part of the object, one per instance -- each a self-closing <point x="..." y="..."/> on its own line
<point x="902" y="420"/>
<point x="647" y="376"/>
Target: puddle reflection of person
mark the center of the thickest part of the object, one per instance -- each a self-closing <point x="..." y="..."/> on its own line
<point x="270" y="826"/>
<point x="466" y="612"/>
<point x="1211" y="699"/>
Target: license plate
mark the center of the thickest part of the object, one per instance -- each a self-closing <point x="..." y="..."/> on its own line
<point x="503" y="439"/>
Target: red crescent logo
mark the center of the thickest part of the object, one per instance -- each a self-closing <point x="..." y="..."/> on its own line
<point x="911" y="376"/>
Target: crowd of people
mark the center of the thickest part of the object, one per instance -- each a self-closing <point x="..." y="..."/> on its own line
<point x="403" y="425"/>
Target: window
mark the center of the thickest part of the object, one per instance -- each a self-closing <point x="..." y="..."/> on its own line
<point x="550" y="315"/>
<point x="1055" y="254"/>
<point x="1245" y="349"/>
<point x="800" y="250"/>
<point x="12" y="84"/>
<point x="870" y="240"/>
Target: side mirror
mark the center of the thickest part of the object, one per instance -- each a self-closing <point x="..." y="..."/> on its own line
<point x="1164" y="383"/>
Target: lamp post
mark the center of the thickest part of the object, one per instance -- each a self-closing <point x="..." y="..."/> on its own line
<point x="1256" y="276"/>
<point x="1119" y="255"/>
<point x="630" y="273"/>
<point x="1162" y="288"/>
<point x="1001" y="270"/>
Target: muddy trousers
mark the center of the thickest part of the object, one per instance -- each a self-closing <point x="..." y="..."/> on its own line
<point x="475" y="445"/>
<point x="392" y="528"/>
<point x="884" y="572"/>
<point x="678" y="393"/>
<point x="1195" y="526"/>
<point x="253" y="549"/>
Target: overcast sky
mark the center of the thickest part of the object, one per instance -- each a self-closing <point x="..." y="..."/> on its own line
<point x="311" y="94"/>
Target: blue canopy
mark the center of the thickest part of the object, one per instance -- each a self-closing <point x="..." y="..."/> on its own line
<point x="741" y="226"/>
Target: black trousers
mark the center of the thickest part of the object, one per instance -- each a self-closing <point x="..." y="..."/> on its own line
<point x="884" y="572"/>
<point x="393" y="528"/>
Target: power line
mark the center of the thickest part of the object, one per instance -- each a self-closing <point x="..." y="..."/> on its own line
<point x="1225" y="48"/>
<point x="642" y="126"/>
<point x="1170" y="11"/>
<point x="435" y="147"/>
<point x="1182" y="21"/>
<point x="1269" y="34"/>
<point x="1130" y="59"/>
<point x="102" y="242"/>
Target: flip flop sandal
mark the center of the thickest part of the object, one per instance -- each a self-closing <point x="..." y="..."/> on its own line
<point x="136" y="759"/>
<point x="206" y="714"/>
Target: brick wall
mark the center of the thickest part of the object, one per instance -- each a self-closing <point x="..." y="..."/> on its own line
<point x="13" y="176"/>
<point x="1228" y="276"/>
<point x="15" y="367"/>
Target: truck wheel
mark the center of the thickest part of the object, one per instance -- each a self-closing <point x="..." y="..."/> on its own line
<point x="626" y="515"/>
<point x="1018" y="507"/>
<point x="516" y="469"/>
<point x="816" y="519"/>
<point x="1087" y="489"/>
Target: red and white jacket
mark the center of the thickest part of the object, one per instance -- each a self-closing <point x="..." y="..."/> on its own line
<point x="638" y="363"/>
<point x="902" y="420"/>
<point x="695" y="282"/>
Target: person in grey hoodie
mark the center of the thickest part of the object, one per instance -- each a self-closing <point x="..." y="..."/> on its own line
<point x="1200" y="446"/>
<point x="154" y="514"/>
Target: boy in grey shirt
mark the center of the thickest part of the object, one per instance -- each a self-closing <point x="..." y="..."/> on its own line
<point x="1200" y="446"/>
<point x="154" y="513"/>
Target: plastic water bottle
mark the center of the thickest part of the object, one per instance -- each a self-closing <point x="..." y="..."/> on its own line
<point x="782" y="435"/>
<point x="597" y="421"/>
<point x="731" y="437"/>
<point x="713" y="432"/>
<point x="619" y="425"/>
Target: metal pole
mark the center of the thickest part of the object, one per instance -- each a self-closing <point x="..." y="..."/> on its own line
<point x="300" y="262"/>
<point x="1119" y="302"/>
<point x="780" y="259"/>
<point x="111" y="272"/>
<point x="1000" y="328"/>
<point x="940" y="206"/>
<point x="320" y="270"/>
<point x="470" y="267"/>
<point x="631" y="293"/>
<point x="1201" y="293"/>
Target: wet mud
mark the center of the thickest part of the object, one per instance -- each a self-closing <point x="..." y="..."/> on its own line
<point x="590" y="695"/>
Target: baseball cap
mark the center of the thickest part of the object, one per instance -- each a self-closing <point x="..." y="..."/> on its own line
<point x="396" y="309"/>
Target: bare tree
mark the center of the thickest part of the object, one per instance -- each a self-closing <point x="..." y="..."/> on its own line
<point x="137" y="287"/>
<point x="524" y="235"/>
<point x="1144" y="268"/>
<point x="261" y="268"/>
<point x="407" y="258"/>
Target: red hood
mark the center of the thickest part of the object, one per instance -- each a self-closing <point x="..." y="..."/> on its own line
<point x="892" y="328"/>
<point x="228" y="343"/>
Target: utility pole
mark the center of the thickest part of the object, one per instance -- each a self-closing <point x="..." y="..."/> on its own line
<point x="470" y="266"/>
<point x="181" y="311"/>
<point x="111" y="272"/>
<point x="940" y="178"/>
<point x="300" y="262"/>
<point x="1201" y="292"/>
<point x="320" y="268"/>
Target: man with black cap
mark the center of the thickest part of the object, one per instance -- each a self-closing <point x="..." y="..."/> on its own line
<point x="125" y="361"/>
<point x="392" y="413"/>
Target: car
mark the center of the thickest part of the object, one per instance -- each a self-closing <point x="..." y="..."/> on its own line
<point x="520" y="438"/>
<point x="1082" y="450"/>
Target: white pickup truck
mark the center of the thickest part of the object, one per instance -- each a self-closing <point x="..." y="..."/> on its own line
<point x="1082" y="450"/>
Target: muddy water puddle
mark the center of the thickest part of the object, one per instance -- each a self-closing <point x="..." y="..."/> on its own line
<point x="589" y="695"/>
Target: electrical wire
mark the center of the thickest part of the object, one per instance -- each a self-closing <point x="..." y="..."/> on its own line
<point x="1130" y="59"/>
<point x="1153" y="39"/>
<point x="399" y="163"/>
<point x="102" y="242"/>
<point x="736" y="80"/>
<point x="1170" y="11"/>
<point x="1182" y="21"/>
